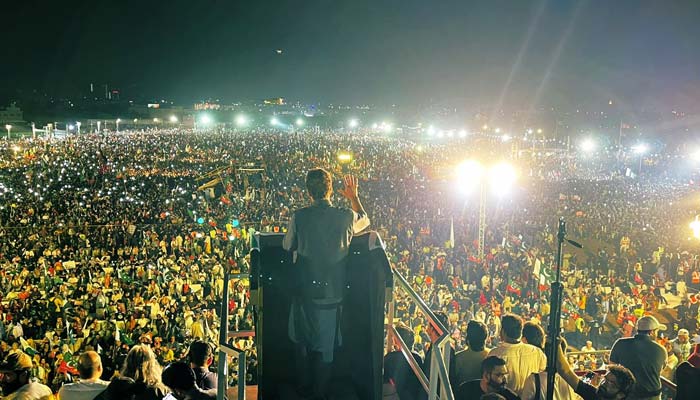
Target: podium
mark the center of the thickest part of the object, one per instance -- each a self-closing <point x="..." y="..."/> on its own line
<point x="357" y="365"/>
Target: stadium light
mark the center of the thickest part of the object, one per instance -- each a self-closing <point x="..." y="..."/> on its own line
<point x="71" y="127"/>
<point x="695" y="155"/>
<point x="300" y="121"/>
<point x="241" y="120"/>
<point x="173" y="119"/>
<point x="502" y="177"/>
<point x="431" y="130"/>
<point x="695" y="226"/>
<point x="462" y="133"/>
<point x="274" y="121"/>
<point x="498" y="130"/>
<point x="344" y="157"/>
<point x="469" y="174"/>
<point x="9" y="128"/>
<point x="205" y="119"/>
<point x="640" y="148"/>
<point x="485" y="127"/>
<point x="505" y="138"/>
<point x="353" y="123"/>
<point x="588" y="145"/>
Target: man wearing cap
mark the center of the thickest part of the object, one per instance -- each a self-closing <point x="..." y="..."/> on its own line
<point x="682" y="346"/>
<point x="16" y="380"/>
<point x="643" y="356"/>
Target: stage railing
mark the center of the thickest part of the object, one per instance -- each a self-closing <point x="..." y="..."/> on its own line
<point x="439" y="360"/>
<point x="226" y="350"/>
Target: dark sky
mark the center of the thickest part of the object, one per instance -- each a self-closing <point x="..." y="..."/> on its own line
<point x="517" y="53"/>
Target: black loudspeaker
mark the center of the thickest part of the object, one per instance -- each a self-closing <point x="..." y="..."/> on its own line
<point x="357" y="365"/>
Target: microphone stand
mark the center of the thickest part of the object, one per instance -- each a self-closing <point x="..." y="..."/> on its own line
<point x="555" y="313"/>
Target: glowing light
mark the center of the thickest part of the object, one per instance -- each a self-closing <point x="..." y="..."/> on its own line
<point x="353" y="123"/>
<point x="463" y="133"/>
<point x="241" y="120"/>
<point x="505" y="138"/>
<point x="299" y="122"/>
<point x="156" y="120"/>
<point x="695" y="226"/>
<point x="173" y="119"/>
<point x="71" y="127"/>
<point x="344" y="157"/>
<point x="588" y="145"/>
<point x="469" y="175"/>
<point x="498" y="130"/>
<point x="431" y="130"/>
<point x="539" y="130"/>
<point x="274" y="121"/>
<point x="529" y="131"/>
<point x="205" y="119"/>
<point x="640" y="148"/>
<point x="695" y="156"/>
<point x="485" y="127"/>
<point x="502" y="177"/>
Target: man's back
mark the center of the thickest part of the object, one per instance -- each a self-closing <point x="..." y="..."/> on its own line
<point x="399" y="372"/>
<point x="468" y="365"/>
<point x="645" y="358"/>
<point x="522" y="360"/>
<point x="82" y="390"/>
<point x="31" y="391"/>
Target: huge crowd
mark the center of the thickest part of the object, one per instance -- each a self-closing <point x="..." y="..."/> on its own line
<point x="108" y="241"/>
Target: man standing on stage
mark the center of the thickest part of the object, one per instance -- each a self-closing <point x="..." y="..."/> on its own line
<point x="320" y="234"/>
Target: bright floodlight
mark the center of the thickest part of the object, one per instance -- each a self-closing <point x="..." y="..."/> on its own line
<point x="440" y="133"/>
<point x="71" y="127"/>
<point x="501" y="177"/>
<point x="156" y="120"/>
<point x="374" y="125"/>
<point x="485" y="127"/>
<point x="695" y="156"/>
<point x="386" y="127"/>
<point x="299" y="122"/>
<point x="344" y="157"/>
<point x="431" y="130"/>
<point x="640" y="148"/>
<point x="469" y="175"/>
<point x="173" y="119"/>
<point x="539" y="130"/>
<point x="274" y="121"/>
<point x="450" y="133"/>
<point x="241" y="120"/>
<point x="353" y="123"/>
<point x="529" y="131"/>
<point x="498" y="130"/>
<point x="206" y="119"/>
<point x="119" y="120"/>
<point x="505" y="137"/>
<point x="695" y="226"/>
<point x="463" y="133"/>
<point x="588" y="145"/>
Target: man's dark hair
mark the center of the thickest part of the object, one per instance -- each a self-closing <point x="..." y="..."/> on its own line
<point x="179" y="376"/>
<point x="476" y="335"/>
<point x="625" y="378"/>
<point x="534" y="334"/>
<point x="490" y="363"/>
<point x="512" y="326"/>
<point x="199" y="353"/>
<point x="319" y="183"/>
<point x="406" y="335"/>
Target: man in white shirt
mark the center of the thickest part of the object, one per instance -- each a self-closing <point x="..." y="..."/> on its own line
<point x="16" y="379"/>
<point x="90" y="385"/>
<point x="522" y="359"/>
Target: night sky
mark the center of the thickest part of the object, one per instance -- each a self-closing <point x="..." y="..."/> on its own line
<point x="515" y="53"/>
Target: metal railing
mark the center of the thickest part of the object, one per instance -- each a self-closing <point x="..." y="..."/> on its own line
<point x="226" y="350"/>
<point x="440" y="354"/>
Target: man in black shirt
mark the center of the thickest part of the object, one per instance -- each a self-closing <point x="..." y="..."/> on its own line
<point x="616" y="385"/>
<point x="494" y="376"/>
<point x="397" y="370"/>
<point x="201" y="357"/>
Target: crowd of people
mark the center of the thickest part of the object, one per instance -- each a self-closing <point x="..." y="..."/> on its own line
<point x="110" y="243"/>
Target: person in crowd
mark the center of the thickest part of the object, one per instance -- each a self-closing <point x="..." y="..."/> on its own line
<point x="533" y="334"/>
<point x="617" y="384"/>
<point x="681" y="345"/>
<point x="494" y="379"/>
<point x="320" y="236"/>
<point x="89" y="385"/>
<point x="535" y="387"/>
<point x="522" y="359"/>
<point x="397" y="371"/>
<point x="16" y="379"/>
<point x="644" y="357"/>
<point x="468" y="361"/>
<point x="141" y="366"/>
<point x="201" y="357"/>
<point x="181" y="381"/>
